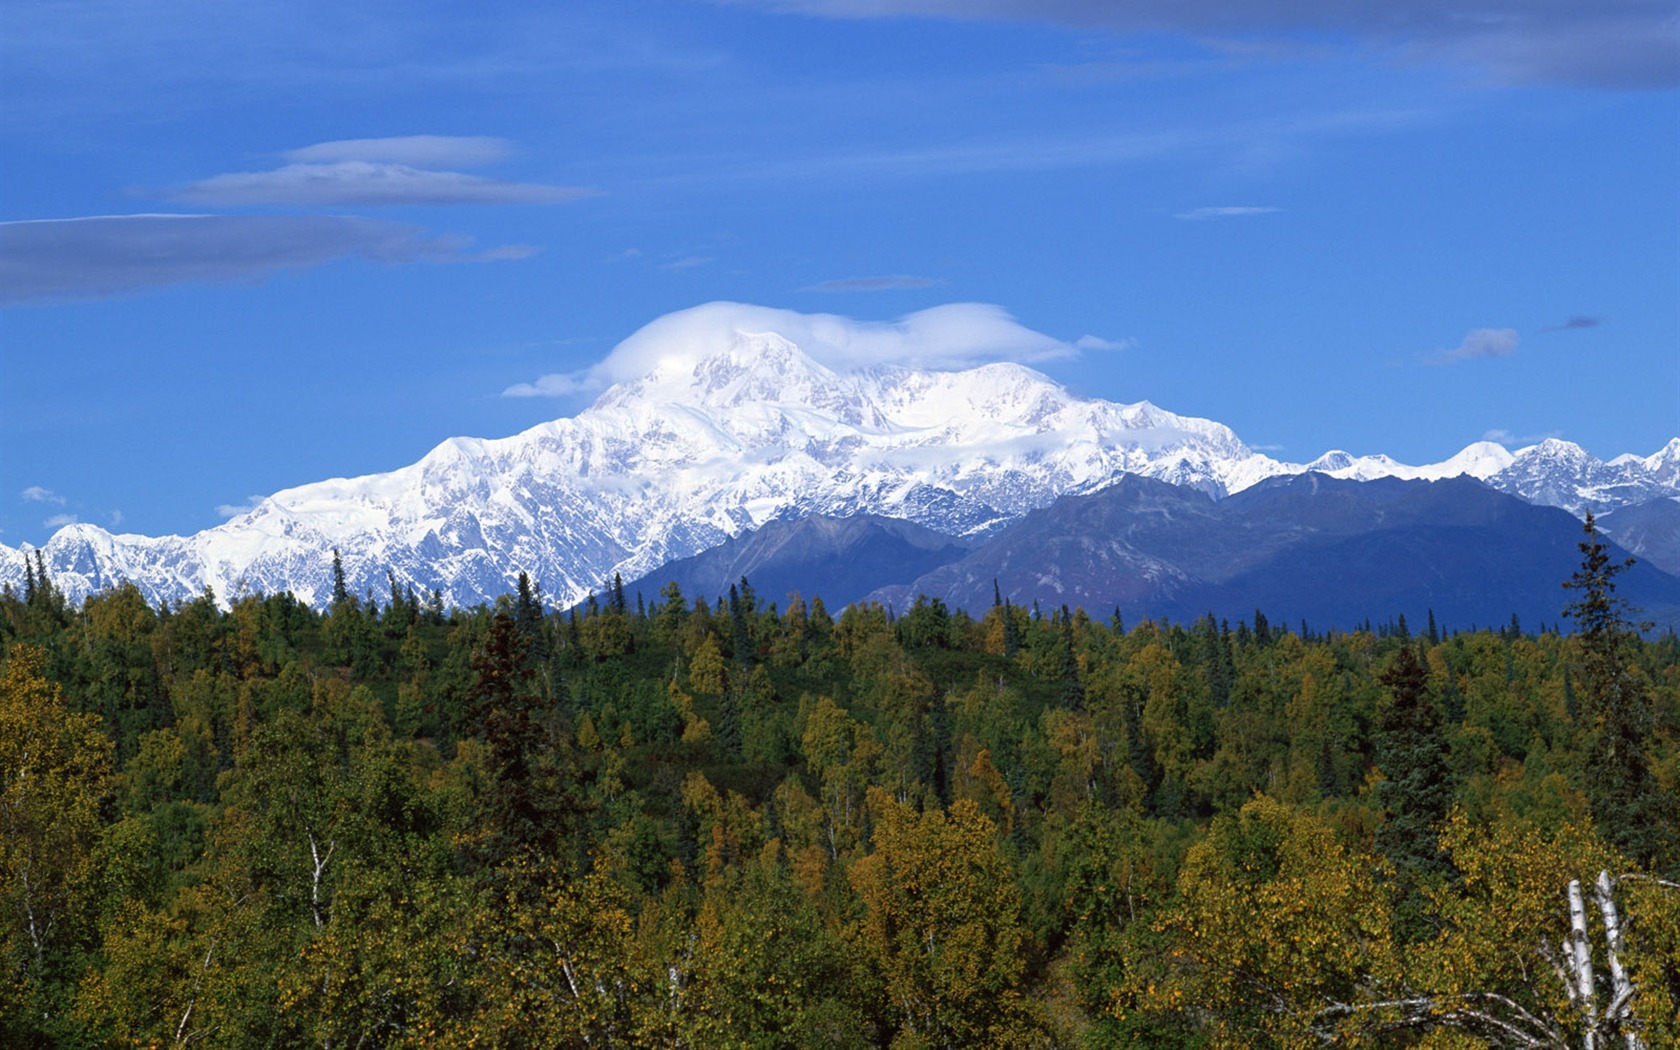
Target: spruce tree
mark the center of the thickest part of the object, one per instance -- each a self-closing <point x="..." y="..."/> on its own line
<point x="340" y="592"/>
<point x="1409" y="752"/>
<point x="1615" y="709"/>
<point x="740" y="637"/>
<point x="1073" y="691"/>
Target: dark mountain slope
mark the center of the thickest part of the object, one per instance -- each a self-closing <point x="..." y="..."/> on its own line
<point x="838" y="559"/>
<point x="1309" y="546"/>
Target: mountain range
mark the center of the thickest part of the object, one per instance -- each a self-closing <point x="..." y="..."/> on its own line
<point x="732" y="429"/>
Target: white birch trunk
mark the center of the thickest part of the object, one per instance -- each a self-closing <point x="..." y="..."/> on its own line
<point x="320" y="868"/>
<point x="1621" y="988"/>
<point x="1579" y="948"/>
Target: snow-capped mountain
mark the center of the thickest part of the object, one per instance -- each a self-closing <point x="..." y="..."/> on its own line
<point x="730" y="427"/>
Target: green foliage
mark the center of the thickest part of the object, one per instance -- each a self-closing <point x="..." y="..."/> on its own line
<point x="688" y="824"/>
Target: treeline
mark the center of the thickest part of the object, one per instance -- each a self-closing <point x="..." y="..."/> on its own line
<point x="750" y="823"/>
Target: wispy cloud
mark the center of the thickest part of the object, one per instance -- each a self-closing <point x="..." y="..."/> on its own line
<point x="58" y="521"/>
<point x="1511" y="440"/>
<point x="379" y="172"/>
<point x="90" y="258"/>
<point x="421" y="151"/>
<point x="37" y="494"/>
<point x="885" y="283"/>
<point x="1095" y="342"/>
<point x="1573" y="323"/>
<point x="1616" y="44"/>
<point x="1480" y="342"/>
<point x="555" y="384"/>
<point x="687" y="262"/>
<point x="1237" y="212"/>
<point x="234" y="510"/>
<point x="957" y="335"/>
<point x="360" y="183"/>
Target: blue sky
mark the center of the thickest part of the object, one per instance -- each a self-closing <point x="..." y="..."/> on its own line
<point x="248" y="246"/>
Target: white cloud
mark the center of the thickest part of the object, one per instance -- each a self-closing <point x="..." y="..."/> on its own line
<point x="58" y="521"/>
<point x="957" y="335"/>
<point x="554" y="385"/>
<point x="361" y="183"/>
<point x="37" y="494"/>
<point x="1200" y="214"/>
<point x="1481" y="342"/>
<point x="234" y="510"/>
<point x="116" y="519"/>
<point x="424" y="151"/>
<point x="102" y="256"/>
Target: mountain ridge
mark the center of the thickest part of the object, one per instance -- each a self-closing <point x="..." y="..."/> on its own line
<point x="727" y="430"/>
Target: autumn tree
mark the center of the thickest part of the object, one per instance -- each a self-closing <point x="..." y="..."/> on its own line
<point x="1276" y="924"/>
<point x="54" y="777"/>
<point x="943" y="924"/>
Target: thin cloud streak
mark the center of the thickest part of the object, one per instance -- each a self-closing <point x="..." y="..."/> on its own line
<point x="1573" y="324"/>
<point x="360" y="183"/>
<point x="1611" y="44"/>
<point x="421" y="151"/>
<point x="889" y="283"/>
<point x="98" y="257"/>
<point x="1201" y="214"/>
<point x="1096" y="342"/>
<point x="1027" y="154"/>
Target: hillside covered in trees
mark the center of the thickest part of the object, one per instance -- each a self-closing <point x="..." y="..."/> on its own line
<point x="752" y="821"/>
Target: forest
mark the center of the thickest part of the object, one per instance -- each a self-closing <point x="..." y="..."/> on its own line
<point x="747" y="820"/>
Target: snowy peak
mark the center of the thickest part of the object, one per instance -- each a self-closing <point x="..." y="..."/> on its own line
<point x="1480" y="459"/>
<point x="1562" y="474"/>
<point x="727" y="417"/>
<point x="1664" y="465"/>
<point x="755" y="369"/>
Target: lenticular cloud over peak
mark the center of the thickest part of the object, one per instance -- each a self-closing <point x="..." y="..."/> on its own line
<point x="953" y="336"/>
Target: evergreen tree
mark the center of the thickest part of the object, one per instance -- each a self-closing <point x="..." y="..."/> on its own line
<point x="1011" y="631"/>
<point x="1073" y="690"/>
<point x="340" y="592"/>
<point x="528" y="616"/>
<point x="532" y="799"/>
<point x="739" y="635"/>
<point x="1410" y="754"/>
<point x="1615" y="708"/>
